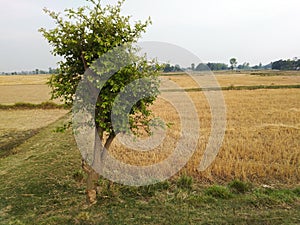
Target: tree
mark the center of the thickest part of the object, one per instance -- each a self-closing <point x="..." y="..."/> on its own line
<point x="217" y="66"/>
<point x="245" y="66"/>
<point x="82" y="36"/>
<point x="286" y="64"/>
<point x="202" y="67"/>
<point x="193" y="66"/>
<point x="177" y="68"/>
<point x="233" y="63"/>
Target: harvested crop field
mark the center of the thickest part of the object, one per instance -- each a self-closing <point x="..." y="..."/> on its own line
<point x="227" y="80"/>
<point x="24" y="88"/>
<point x="261" y="144"/>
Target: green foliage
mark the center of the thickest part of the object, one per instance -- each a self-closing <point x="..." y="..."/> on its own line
<point x="233" y="63"/>
<point x="286" y="64"/>
<point x="217" y="191"/>
<point x="240" y="187"/>
<point x="84" y="35"/>
<point x="185" y="182"/>
<point x="297" y="191"/>
<point x="245" y="66"/>
<point x="217" y="66"/>
<point x="62" y="128"/>
<point x="169" y="68"/>
<point x="211" y="66"/>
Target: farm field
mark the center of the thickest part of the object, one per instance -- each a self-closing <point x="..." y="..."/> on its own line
<point x="33" y="88"/>
<point x="24" y="88"/>
<point x="261" y="144"/>
<point x="41" y="179"/>
<point x="228" y="80"/>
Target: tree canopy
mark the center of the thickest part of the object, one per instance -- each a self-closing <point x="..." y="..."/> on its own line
<point x="81" y="37"/>
<point x="233" y="63"/>
<point x="286" y="64"/>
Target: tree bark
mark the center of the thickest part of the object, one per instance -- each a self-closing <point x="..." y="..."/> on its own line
<point x="92" y="175"/>
<point x="99" y="157"/>
<point x="91" y="185"/>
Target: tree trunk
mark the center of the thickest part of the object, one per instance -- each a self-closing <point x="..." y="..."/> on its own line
<point x="99" y="156"/>
<point x="92" y="175"/>
<point x="91" y="183"/>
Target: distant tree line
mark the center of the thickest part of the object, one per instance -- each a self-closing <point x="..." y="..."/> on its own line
<point x="289" y="64"/>
<point x="286" y="64"/>
<point x="278" y="65"/>
<point x="169" y="68"/>
<point x="36" y="71"/>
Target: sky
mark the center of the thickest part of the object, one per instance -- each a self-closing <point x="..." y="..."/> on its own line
<point x="252" y="31"/>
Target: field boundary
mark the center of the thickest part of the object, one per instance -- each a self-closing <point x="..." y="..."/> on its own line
<point x="43" y="105"/>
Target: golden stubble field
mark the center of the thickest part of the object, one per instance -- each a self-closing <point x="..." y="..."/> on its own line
<point x="261" y="144"/>
<point x="24" y="88"/>
<point x="226" y="80"/>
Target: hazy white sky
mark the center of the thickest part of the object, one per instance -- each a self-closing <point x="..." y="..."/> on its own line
<point x="215" y="30"/>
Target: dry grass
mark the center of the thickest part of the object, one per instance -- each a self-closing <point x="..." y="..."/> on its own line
<point x="262" y="141"/>
<point x="24" y="88"/>
<point x="24" y="93"/>
<point x="226" y="80"/>
<point x="28" y="119"/>
<point x="23" y="79"/>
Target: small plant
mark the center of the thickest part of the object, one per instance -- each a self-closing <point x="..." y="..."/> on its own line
<point x="78" y="176"/>
<point x="239" y="187"/>
<point x="185" y="182"/>
<point x="297" y="191"/>
<point x="217" y="191"/>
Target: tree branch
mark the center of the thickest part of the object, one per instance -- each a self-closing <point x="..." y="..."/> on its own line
<point x="107" y="145"/>
<point x="84" y="61"/>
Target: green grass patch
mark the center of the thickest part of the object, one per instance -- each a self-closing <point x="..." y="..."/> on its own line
<point x="9" y="141"/>
<point x="218" y="191"/>
<point x="240" y="187"/>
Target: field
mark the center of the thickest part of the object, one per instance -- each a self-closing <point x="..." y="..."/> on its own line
<point x="19" y="125"/>
<point x="29" y="89"/>
<point x="41" y="179"/>
<point x="262" y="141"/>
